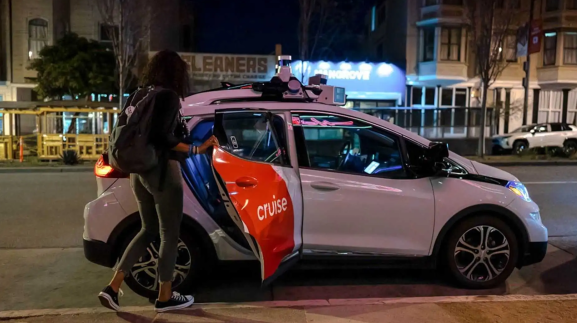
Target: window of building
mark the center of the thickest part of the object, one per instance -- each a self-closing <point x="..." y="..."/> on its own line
<point x="106" y="32"/>
<point x="428" y="44"/>
<point x="447" y="97"/>
<point x="570" y="48"/>
<point x="373" y="17"/>
<point x="382" y="14"/>
<point x="460" y="97"/>
<point x="550" y="49"/>
<point x="430" y="2"/>
<point x="571" y="4"/>
<point x="349" y="146"/>
<point x="451" y="44"/>
<point x="552" y="5"/>
<point x="511" y="48"/>
<point x="430" y="95"/>
<point x="417" y="95"/>
<point x="37" y="37"/>
<point x="453" y="2"/>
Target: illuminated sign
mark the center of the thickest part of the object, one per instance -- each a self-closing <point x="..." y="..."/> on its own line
<point x="228" y="67"/>
<point x="362" y="80"/>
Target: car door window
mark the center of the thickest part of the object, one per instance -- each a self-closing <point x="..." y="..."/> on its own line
<point x="555" y="127"/>
<point x="250" y="136"/>
<point x="345" y="145"/>
<point x="541" y="128"/>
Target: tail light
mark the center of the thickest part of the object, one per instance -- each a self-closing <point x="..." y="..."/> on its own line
<point x="104" y="170"/>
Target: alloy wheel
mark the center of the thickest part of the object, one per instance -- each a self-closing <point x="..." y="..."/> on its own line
<point x="145" y="271"/>
<point x="482" y="253"/>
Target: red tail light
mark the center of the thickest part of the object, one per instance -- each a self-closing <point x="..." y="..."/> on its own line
<point x="104" y="170"/>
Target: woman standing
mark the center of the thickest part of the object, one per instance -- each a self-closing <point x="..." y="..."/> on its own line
<point x="159" y="192"/>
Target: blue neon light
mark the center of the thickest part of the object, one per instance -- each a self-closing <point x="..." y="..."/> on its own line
<point x="361" y="80"/>
<point x="373" y="18"/>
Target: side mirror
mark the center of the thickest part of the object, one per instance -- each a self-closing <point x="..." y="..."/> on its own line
<point x="532" y="132"/>
<point x="432" y="159"/>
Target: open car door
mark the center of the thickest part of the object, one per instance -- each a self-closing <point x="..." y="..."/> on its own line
<point x="260" y="189"/>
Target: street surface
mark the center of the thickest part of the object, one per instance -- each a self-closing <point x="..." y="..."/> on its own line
<point x="42" y="262"/>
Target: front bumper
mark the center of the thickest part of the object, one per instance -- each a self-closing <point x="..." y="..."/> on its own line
<point x="99" y="253"/>
<point x="535" y="253"/>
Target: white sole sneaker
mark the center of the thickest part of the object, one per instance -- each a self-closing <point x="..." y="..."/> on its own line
<point x="175" y="307"/>
<point x="107" y="302"/>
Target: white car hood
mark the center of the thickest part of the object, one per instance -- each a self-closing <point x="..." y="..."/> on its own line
<point x="493" y="172"/>
<point x="474" y="167"/>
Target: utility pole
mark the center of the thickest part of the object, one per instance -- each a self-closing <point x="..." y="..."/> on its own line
<point x="527" y="66"/>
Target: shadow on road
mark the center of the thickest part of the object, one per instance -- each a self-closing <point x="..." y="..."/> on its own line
<point x="242" y="284"/>
<point x="560" y="279"/>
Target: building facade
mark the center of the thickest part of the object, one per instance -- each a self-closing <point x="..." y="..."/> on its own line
<point x="432" y="37"/>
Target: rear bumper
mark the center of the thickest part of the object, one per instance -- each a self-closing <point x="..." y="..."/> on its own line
<point x="535" y="253"/>
<point x="99" y="253"/>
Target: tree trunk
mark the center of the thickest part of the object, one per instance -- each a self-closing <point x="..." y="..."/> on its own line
<point x="481" y="150"/>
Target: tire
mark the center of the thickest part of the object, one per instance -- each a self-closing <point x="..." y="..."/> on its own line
<point x="570" y="148"/>
<point x="520" y="147"/>
<point x="189" y="258"/>
<point x="470" y="262"/>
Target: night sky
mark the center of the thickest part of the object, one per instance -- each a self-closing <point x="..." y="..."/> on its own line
<point x="246" y="26"/>
<point x="255" y="26"/>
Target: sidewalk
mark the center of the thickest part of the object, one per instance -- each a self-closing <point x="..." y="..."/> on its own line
<point x="46" y="169"/>
<point x="460" y="309"/>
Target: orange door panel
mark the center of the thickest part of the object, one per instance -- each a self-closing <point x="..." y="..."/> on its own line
<point x="261" y="206"/>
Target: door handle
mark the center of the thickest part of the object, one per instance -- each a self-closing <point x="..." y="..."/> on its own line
<point x="324" y="186"/>
<point x="246" y="182"/>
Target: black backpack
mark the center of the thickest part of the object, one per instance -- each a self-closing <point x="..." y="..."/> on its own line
<point x="130" y="149"/>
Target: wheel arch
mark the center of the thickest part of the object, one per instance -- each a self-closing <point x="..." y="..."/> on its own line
<point x="484" y="209"/>
<point x="132" y="223"/>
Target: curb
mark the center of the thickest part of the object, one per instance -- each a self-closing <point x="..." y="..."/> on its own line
<point x="528" y="163"/>
<point x="72" y="169"/>
<point x="22" y="314"/>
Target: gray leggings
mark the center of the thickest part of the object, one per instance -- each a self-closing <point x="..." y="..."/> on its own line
<point x="161" y="212"/>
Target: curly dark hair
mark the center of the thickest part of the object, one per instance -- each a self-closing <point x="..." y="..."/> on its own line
<point x="167" y="69"/>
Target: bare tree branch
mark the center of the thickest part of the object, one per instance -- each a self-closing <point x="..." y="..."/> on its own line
<point x="127" y="24"/>
<point x="490" y="22"/>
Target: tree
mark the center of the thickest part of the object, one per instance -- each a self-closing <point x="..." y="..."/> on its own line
<point x="490" y="22"/>
<point x="74" y="66"/>
<point x="322" y="24"/>
<point x="127" y="24"/>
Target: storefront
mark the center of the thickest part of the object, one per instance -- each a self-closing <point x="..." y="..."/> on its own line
<point x="207" y="71"/>
<point x="372" y="88"/>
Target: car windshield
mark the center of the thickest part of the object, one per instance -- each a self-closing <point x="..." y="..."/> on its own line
<point x="523" y="129"/>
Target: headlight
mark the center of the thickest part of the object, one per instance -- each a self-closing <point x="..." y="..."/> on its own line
<point x="519" y="189"/>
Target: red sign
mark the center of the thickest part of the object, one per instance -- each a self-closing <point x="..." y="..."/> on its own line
<point x="535" y="37"/>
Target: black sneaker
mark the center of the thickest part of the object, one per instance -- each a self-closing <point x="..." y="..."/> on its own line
<point x="109" y="299"/>
<point x="176" y="302"/>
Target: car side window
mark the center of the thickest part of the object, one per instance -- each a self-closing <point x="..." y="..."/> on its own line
<point x="345" y="145"/>
<point x="557" y="127"/>
<point x="253" y="136"/>
<point x="541" y="128"/>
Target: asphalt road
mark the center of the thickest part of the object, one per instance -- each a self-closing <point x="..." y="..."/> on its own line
<point x="41" y="259"/>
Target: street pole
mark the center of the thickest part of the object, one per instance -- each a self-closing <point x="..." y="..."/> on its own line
<point x="528" y="66"/>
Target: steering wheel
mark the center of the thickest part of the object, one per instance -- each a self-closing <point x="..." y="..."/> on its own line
<point x="344" y="154"/>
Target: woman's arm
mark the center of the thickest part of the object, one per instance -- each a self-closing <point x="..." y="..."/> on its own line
<point x="193" y="150"/>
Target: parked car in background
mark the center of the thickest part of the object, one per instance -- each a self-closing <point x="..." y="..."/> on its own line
<point x="542" y="135"/>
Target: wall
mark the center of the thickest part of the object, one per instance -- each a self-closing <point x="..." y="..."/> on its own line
<point x="85" y="18"/>
<point x="22" y="12"/>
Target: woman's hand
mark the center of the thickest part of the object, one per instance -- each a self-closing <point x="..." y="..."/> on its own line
<point x="212" y="141"/>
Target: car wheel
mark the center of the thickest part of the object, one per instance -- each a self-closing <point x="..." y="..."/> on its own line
<point x="520" y="147"/>
<point x="570" y="147"/>
<point x="481" y="252"/>
<point x="143" y="275"/>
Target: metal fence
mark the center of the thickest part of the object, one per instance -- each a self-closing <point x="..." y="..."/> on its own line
<point x="438" y="123"/>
